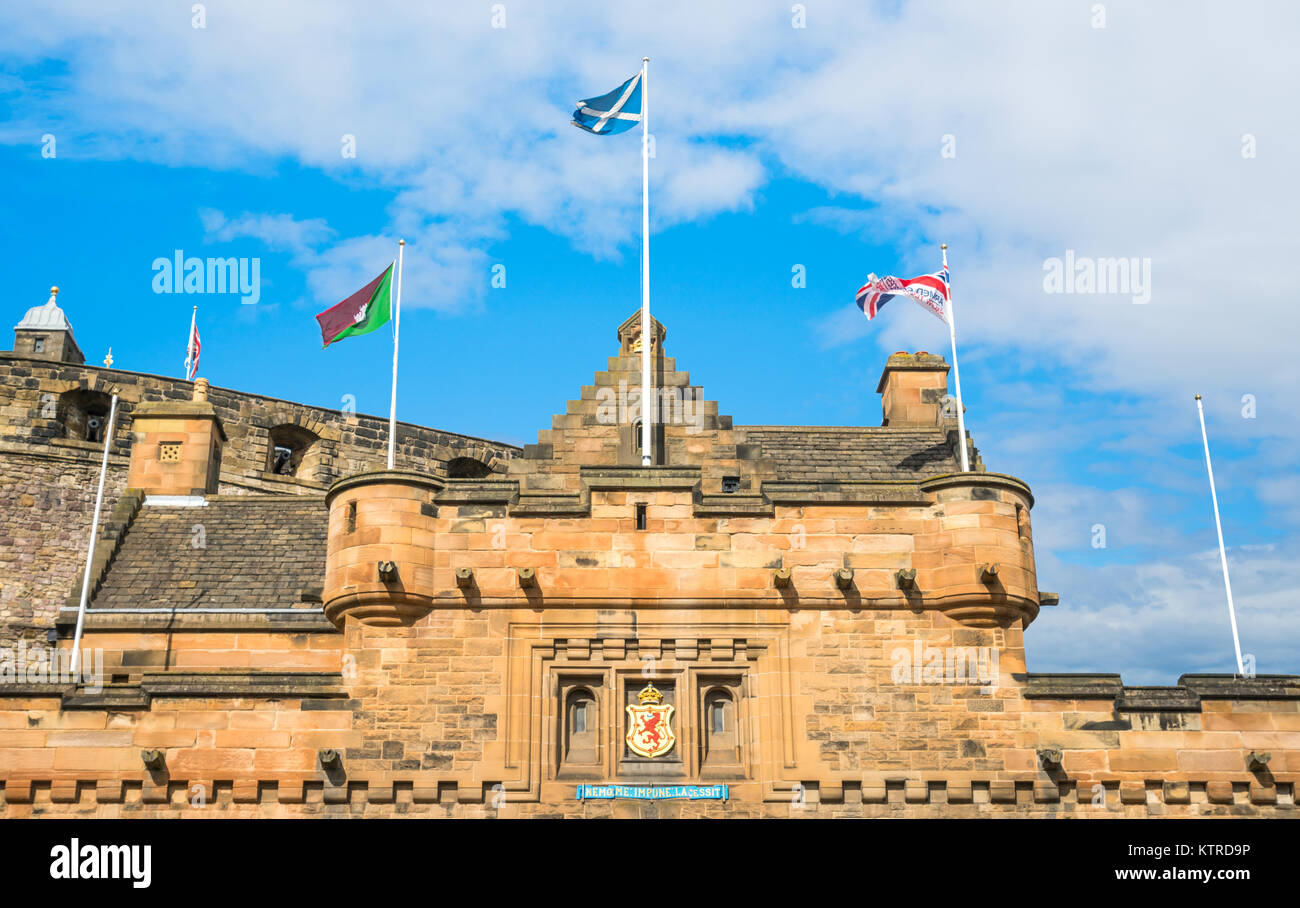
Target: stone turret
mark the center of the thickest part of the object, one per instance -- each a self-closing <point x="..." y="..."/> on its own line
<point x="382" y="547"/>
<point x="46" y="333"/>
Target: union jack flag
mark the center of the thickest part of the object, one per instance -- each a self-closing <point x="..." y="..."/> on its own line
<point x="930" y="290"/>
<point x="192" y="350"/>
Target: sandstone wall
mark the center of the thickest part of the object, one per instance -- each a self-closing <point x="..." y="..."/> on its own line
<point x="856" y="700"/>
<point x="459" y="715"/>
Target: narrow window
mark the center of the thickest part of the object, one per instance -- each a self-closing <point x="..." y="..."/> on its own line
<point x="38" y="346"/>
<point x="640" y="517"/>
<point x="730" y="484"/>
<point x="1022" y="521"/>
<point x="721" y="744"/>
<point x="352" y="517"/>
<point x="581" y="718"/>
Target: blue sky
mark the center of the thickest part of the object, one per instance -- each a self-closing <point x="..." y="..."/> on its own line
<point x="1154" y="136"/>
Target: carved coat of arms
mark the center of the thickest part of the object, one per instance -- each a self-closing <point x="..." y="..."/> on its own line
<point x="649" y="724"/>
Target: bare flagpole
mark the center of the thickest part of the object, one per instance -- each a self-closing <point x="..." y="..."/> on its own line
<point x="1218" y="527"/>
<point x="647" y="333"/>
<point x="397" y="330"/>
<point x="94" y="532"/>
<point x="956" y="373"/>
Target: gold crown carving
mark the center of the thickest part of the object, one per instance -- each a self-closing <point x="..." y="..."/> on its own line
<point x="650" y="694"/>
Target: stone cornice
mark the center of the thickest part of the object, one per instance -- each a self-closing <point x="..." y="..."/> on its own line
<point x="1185" y="696"/>
<point x="378" y="477"/>
<point x="986" y="480"/>
<point x="224" y="683"/>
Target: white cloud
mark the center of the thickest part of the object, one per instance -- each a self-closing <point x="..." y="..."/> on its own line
<point x="281" y="232"/>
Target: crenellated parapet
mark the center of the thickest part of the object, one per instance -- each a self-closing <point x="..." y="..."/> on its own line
<point x="956" y="543"/>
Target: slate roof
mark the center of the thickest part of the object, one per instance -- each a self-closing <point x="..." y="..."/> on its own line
<point x="258" y="552"/>
<point x="812" y="453"/>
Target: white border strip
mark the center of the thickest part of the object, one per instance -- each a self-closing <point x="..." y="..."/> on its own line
<point x="175" y="501"/>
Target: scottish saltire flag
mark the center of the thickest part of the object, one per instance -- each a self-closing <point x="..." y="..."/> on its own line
<point x="613" y="113"/>
<point x="930" y="290"/>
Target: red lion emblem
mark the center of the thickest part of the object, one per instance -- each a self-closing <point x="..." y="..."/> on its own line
<point x="651" y="734"/>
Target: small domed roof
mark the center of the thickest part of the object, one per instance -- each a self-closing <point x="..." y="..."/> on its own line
<point x="45" y="318"/>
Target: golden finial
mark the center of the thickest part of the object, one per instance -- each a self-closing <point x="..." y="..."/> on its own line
<point x="108" y="360"/>
<point x="54" y="291"/>
<point x="401" y="242"/>
<point x="943" y="245"/>
<point x="1198" y="397"/>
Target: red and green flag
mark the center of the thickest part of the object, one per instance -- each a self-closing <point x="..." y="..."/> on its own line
<point x="364" y="311"/>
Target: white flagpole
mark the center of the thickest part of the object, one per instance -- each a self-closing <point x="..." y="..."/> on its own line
<point x="956" y="373"/>
<point x="647" y="333"/>
<point x="94" y="532"/>
<point x="1218" y="527"/>
<point x="397" y="330"/>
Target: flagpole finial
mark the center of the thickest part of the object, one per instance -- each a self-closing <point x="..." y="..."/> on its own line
<point x="645" y="59"/>
<point x="401" y="242"/>
<point x="943" y="245"/>
<point x="1198" y="397"/>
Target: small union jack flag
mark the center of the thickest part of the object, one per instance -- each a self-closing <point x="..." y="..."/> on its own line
<point x="192" y="351"/>
<point x="930" y="290"/>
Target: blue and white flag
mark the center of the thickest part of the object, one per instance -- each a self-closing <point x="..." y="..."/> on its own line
<point x="613" y="113"/>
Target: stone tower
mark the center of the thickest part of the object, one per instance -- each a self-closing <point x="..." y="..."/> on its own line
<point x="46" y="333"/>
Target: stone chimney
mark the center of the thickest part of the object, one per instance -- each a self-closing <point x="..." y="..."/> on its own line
<point x="46" y="333"/>
<point x="913" y="390"/>
<point x="176" y="446"/>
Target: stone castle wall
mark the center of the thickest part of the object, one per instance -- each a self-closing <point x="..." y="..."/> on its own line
<point x="838" y="633"/>
<point x="46" y="505"/>
<point x="440" y="692"/>
<point x="48" y="474"/>
<point x="424" y="722"/>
